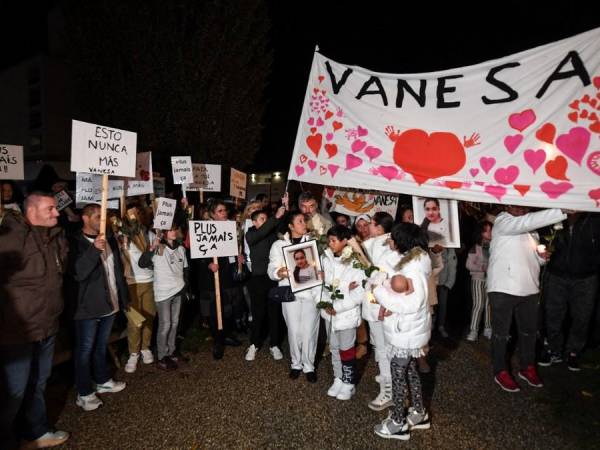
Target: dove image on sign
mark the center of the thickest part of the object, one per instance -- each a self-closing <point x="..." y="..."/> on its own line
<point x="11" y="162"/>
<point x="210" y="239"/>
<point x="182" y="169"/>
<point x="163" y="219"/>
<point x="102" y="150"/>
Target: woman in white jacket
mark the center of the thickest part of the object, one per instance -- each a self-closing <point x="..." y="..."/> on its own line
<point x="343" y="293"/>
<point x="301" y="316"/>
<point x="385" y="258"/>
<point x="407" y="328"/>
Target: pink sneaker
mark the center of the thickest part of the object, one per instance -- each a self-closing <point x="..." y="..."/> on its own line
<point x="531" y="376"/>
<point x="506" y="382"/>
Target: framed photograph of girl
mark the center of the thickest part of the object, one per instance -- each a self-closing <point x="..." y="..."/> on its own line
<point x="303" y="265"/>
<point x="439" y="217"/>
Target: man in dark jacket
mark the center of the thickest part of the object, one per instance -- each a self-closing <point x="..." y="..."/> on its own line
<point x="260" y="237"/>
<point x="102" y="293"/>
<point x="571" y="283"/>
<point x="32" y="260"/>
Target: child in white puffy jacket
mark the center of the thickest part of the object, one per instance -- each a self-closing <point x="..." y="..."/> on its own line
<point x="340" y="302"/>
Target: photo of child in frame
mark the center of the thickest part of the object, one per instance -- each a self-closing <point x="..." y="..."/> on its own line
<point x="303" y="264"/>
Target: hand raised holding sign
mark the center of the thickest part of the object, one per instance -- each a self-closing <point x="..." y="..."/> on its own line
<point x="100" y="242"/>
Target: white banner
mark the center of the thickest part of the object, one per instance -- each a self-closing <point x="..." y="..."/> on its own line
<point x="182" y="169"/>
<point x="213" y="238"/>
<point x="62" y="200"/>
<point x="357" y="203"/>
<point x="142" y="183"/>
<point x="11" y="162"/>
<point x="237" y="186"/>
<point x="524" y="129"/>
<point x="102" y="150"/>
<point x="88" y="188"/>
<point x="163" y="219"/>
<point x="207" y="177"/>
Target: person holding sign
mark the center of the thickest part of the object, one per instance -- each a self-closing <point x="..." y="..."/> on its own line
<point x="32" y="265"/>
<point x="11" y="198"/>
<point x="301" y="316"/>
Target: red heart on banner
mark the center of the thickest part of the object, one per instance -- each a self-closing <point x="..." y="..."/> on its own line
<point x="314" y="143"/>
<point x="547" y="133"/>
<point x="330" y="191"/>
<point x="586" y="98"/>
<point x="573" y="116"/>
<point x="595" y="127"/>
<point x="574" y="104"/>
<point x="453" y="184"/>
<point x="337" y="125"/>
<point x="328" y="115"/>
<point x="595" y="195"/>
<point x="557" y="168"/>
<point x="596" y="82"/>
<point x="522" y="188"/>
<point x="321" y="78"/>
<point x="584" y="114"/>
<point x="331" y="150"/>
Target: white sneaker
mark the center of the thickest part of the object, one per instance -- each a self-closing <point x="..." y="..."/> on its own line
<point x="147" y="357"/>
<point x="251" y="353"/>
<point x="88" y="402"/>
<point x="132" y="363"/>
<point x="334" y="390"/>
<point x="49" y="439"/>
<point x="276" y="353"/>
<point x="111" y="386"/>
<point x="487" y="332"/>
<point x="472" y="336"/>
<point x="346" y="392"/>
<point x="384" y="399"/>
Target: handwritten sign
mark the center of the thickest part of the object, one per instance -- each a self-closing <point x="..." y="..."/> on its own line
<point x="102" y="150"/>
<point x="207" y="177"/>
<point x="213" y="238"/>
<point x="159" y="186"/>
<point x="88" y="188"/>
<point x="357" y="203"/>
<point x="163" y="219"/>
<point x="11" y="162"/>
<point x="142" y="183"/>
<point x="237" y="187"/>
<point x="182" y="169"/>
<point x="62" y="200"/>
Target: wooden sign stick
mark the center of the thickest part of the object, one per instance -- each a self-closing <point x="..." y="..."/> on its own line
<point x="201" y="196"/>
<point x="218" y="296"/>
<point x="104" y="205"/>
<point x="123" y="204"/>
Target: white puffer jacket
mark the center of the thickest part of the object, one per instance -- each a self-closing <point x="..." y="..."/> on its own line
<point x="276" y="262"/>
<point x="408" y="329"/>
<point x="347" y="309"/>
<point x="383" y="256"/>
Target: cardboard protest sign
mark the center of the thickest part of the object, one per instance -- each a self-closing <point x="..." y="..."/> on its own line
<point x="207" y="177"/>
<point x="62" y="200"/>
<point x="88" y="188"/>
<point x="237" y="186"/>
<point x="163" y="219"/>
<point x="357" y="203"/>
<point x="182" y="169"/>
<point x="102" y="150"/>
<point x="159" y="186"/>
<point x="210" y="239"/>
<point x="11" y="162"/>
<point x="142" y="183"/>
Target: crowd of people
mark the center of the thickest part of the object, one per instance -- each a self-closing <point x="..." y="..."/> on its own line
<point x="382" y="282"/>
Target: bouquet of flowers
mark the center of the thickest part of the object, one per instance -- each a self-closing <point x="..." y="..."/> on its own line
<point x="549" y="238"/>
<point x="131" y="228"/>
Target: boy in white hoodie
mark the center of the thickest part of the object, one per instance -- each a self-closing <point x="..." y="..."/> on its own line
<point x="340" y="302"/>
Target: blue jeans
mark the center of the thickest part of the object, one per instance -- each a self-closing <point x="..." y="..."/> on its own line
<point x="24" y="370"/>
<point x="90" y="347"/>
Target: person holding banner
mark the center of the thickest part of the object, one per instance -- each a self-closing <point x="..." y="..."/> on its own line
<point x="32" y="265"/>
<point x="315" y="221"/>
<point x="301" y="316"/>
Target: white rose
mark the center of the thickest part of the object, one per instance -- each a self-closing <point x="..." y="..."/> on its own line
<point x="346" y="252"/>
<point x="335" y="283"/>
<point x="558" y="226"/>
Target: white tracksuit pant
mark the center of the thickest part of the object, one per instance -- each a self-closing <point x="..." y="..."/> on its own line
<point x="378" y="341"/>
<point x="302" y="320"/>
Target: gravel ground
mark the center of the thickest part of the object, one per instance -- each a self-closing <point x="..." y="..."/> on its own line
<point x="233" y="403"/>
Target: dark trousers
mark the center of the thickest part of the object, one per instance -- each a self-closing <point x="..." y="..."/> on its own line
<point x="442" y="295"/>
<point x="231" y="299"/>
<point x="578" y="297"/>
<point x="91" y="340"/>
<point x="24" y="370"/>
<point x="525" y="311"/>
<point x="264" y="310"/>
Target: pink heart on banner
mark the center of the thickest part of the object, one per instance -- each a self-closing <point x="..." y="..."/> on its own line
<point x="388" y="172"/>
<point x="333" y="168"/>
<point x="474" y="172"/>
<point x="362" y="131"/>
<point x="487" y="163"/>
<point x="479" y="183"/>
<point x="555" y="190"/>
<point x="574" y="144"/>
<point x="496" y="191"/>
<point x="312" y="164"/>
<point x="358" y="145"/>
<point x="506" y="175"/>
<point x="512" y="142"/>
<point x="329" y="136"/>
<point x="311" y="121"/>
<point x="299" y="170"/>
<point x="534" y="158"/>
<point x="352" y="162"/>
<point x="522" y="120"/>
<point x="372" y="152"/>
<point x="319" y="122"/>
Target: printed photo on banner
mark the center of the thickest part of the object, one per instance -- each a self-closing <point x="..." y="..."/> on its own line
<point x="207" y="177"/>
<point x="11" y="162"/>
<point x="439" y="217"/>
<point x="182" y="169"/>
<point x="165" y="212"/>
<point x="143" y="182"/>
<point x="354" y="203"/>
<point x="210" y="239"/>
<point x="303" y="265"/>
<point x="237" y="186"/>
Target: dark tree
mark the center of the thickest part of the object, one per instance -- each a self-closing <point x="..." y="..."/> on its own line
<point x="188" y="76"/>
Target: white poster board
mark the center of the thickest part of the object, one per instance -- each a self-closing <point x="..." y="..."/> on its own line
<point x="182" y="169"/>
<point x="210" y="239"/>
<point x="62" y="200"/>
<point x="163" y="219"/>
<point x="237" y="186"/>
<point x="207" y="177"/>
<point x="357" y="203"/>
<point x="442" y="215"/>
<point x="102" y="150"/>
<point x="11" y="162"/>
<point x="142" y="183"/>
<point x="88" y="188"/>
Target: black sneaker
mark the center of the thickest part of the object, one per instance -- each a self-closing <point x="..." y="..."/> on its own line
<point x="166" y="364"/>
<point x="311" y="377"/>
<point x="295" y="373"/>
<point x="218" y="351"/>
<point x="232" y="341"/>
<point x="547" y="358"/>
<point x="573" y="363"/>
